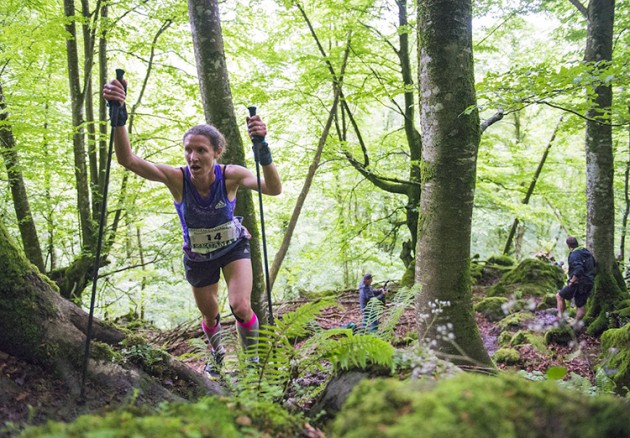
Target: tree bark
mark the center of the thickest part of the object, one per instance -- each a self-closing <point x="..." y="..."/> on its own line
<point x="26" y="224"/>
<point x="600" y="209"/>
<point x="78" y="137"/>
<point x="39" y="326"/>
<point x="218" y="106"/>
<point x="626" y="212"/>
<point x="450" y="136"/>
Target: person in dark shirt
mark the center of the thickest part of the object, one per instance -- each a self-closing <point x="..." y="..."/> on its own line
<point x="366" y="293"/>
<point x="581" y="276"/>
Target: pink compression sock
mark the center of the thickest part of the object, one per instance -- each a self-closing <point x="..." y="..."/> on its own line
<point x="248" y="331"/>
<point x="213" y="335"/>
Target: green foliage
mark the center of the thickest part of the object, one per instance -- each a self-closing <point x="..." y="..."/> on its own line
<point x="399" y="302"/>
<point x="472" y="405"/>
<point x="575" y="382"/>
<point x="136" y="350"/>
<point x="282" y="360"/>
<point x="556" y="373"/>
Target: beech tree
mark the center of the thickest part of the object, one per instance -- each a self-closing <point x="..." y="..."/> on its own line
<point x="450" y="133"/>
<point x="216" y="96"/>
<point x="609" y="287"/>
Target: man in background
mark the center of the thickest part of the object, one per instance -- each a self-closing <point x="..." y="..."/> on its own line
<point x="581" y="276"/>
<point x="370" y="312"/>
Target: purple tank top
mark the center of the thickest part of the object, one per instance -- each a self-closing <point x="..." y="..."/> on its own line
<point x="209" y="226"/>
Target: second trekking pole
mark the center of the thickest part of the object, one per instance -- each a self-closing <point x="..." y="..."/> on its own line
<point x="257" y="143"/>
<point x="115" y="110"/>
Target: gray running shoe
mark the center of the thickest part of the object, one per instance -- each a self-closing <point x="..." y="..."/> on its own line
<point x="213" y="367"/>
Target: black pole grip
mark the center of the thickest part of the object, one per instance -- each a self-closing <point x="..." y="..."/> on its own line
<point x="119" y="77"/>
<point x="256" y="139"/>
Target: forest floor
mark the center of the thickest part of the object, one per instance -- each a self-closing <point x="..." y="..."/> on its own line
<point x="32" y="395"/>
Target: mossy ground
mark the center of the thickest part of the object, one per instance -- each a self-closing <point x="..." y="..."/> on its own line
<point x="210" y="417"/>
<point x="45" y="402"/>
<point x="471" y="405"/>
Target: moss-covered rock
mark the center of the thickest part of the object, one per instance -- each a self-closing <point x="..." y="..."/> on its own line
<point x="507" y="356"/>
<point x="519" y="338"/>
<point x="490" y="271"/>
<point x="531" y="278"/>
<point x="492" y="308"/>
<point x="616" y="345"/>
<point x="501" y="260"/>
<point x="548" y="302"/>
<point x="523" y="337"/>
<point x="503" y="340"/>
<point x="561" y="335"/>
<point x="516" y="321"/>
<point x="472" y="405"/>
<point x="211" y="417"/>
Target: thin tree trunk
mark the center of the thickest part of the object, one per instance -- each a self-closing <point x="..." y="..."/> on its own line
<point x="600" y="209"/>
<point x="532" y="186"/>
<point x="626" y="193"/>
<point x="414" y="140"/>
<point x="78" y="138"/>
<point x="216" y="96"/>
<point x="450" y="140"/>
<point x="26" y="224"/>
<point x="286" y="240"/>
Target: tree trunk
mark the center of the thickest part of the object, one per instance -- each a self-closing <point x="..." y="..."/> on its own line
<point x="26" y="224"/>
<point x="39" y="326"/>
<point x="216" y="96"/>
<point x="414" y="140"/>
<point x="600" y="209"/>
<point x="78" y="138"/>
<point x="626" y="212"/>
<point x="450" y="137"/>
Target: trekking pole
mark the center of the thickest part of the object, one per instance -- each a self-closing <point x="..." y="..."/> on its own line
<point x="115" y="106"/>
<point x="256" y="141"/>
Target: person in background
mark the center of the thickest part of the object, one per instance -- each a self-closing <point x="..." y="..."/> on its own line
<point x="581" y="276"/>
<point x="215" y="241"/>
<point x="367" y="293"/>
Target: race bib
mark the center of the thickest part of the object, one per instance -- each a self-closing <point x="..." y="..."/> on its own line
<point x="207" y="240"/>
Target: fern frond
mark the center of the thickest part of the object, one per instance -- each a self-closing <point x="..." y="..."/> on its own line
<point x="402" y="301"/>
<point x="298" y="323"/>
<point x="357" y="351"/>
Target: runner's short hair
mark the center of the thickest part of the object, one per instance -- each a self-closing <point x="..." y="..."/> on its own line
<point x="217" y="140"/>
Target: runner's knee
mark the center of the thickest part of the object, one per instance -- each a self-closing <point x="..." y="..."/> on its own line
<point x="241" y="311"/>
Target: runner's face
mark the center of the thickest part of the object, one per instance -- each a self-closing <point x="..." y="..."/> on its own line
<point x="199" y="154"/>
